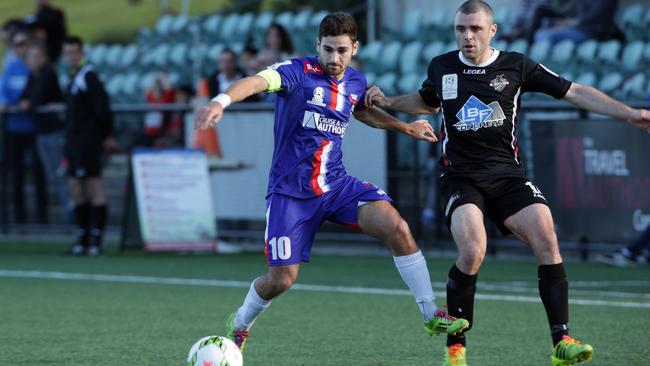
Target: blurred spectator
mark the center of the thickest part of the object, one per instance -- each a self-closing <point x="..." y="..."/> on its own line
<point x="21" y="130"/>
<point x="631" y="255"/>
<point x="277" y="39"/>
<point x="159" y="92"/>
<point x="592" y="19"/>
<point x="247" y="60"/>
<point x="172" y="134"/>
<point x="89" y="133"/>
<point x="43" y="89"/>
<point x="264" y="59"/>
<point x="227" y="73"/>
<point x="7" y="31"/>
<point x="49" y="25"/>
<point x="529" y="18"/>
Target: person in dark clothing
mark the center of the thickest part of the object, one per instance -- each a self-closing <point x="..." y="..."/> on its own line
<point x="227" y="73"/>
<point x="20" y="131"/>
<point x="593" y="19"/>
<point x="51" y="21"/>
<point x="89" y="129"/>
<point x="43" y="89"/>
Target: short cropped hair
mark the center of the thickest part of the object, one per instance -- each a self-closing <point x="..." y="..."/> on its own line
<point x="337" y="24"/>
<point x="74" y="40"/>
<point x="474" y="6"/>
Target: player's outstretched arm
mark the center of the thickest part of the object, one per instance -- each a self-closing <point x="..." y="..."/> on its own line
<point x="376" y="118"/>
<point x="209" y="115"/>
<point x="593" y="100"/>
<point x="408" y="103"/>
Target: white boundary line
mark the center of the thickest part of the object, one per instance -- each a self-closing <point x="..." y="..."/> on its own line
<point x="300" y="287"/>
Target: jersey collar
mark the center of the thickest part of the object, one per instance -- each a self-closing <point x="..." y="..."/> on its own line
<point x="487" y="62"/>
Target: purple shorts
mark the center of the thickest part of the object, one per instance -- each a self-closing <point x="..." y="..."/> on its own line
<point x="292" y="223"/>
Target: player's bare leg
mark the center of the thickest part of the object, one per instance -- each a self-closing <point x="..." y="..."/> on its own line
<point x="534" y="225"/>
<point x="263" y="289"/>
<point x="381" y="220"/>
<point x="468" y="230"/>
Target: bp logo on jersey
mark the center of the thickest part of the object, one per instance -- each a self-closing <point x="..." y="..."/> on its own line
<point x="475" y="115"/>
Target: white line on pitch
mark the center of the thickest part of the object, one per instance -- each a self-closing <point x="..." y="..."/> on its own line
<point x="299" y="287"/>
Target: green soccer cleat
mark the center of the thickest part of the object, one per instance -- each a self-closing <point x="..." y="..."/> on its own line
<point x="445" y="323"/>
<point x="455" y="355"/>
<point x="569" y="351"/>
<point x="237" y="336"/>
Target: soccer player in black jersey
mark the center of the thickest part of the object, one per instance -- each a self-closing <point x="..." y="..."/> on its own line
<point x="478" y="90"/>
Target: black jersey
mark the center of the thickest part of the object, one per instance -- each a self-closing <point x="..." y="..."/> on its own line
<point x="89" y="119"/>
<point x="479" y="104"/>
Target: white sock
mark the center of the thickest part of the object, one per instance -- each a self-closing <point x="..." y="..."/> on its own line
<point x="252" y="307"/>
<point x="414" y="272"/>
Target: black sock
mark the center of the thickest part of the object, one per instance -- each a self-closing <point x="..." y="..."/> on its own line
<point x="82" y="216"/>
<point x="461" y="288"/>
<point x="99" y="214"/>
<point x="554" y="291"/>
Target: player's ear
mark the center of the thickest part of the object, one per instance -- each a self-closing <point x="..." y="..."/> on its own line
<point x="355" y="48"/>
<point x="493" y="29"/>
<point x="317" y="43"/>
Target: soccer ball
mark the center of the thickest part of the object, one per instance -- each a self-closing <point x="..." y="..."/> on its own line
<point x="215" y="351"/>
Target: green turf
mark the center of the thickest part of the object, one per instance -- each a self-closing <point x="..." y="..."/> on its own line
<point x="55" y="322"/>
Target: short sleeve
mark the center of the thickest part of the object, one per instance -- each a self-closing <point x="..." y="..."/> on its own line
<point x="538" y="78"/>
<point x="291" y="74"/>
<point x="428" y="89"/>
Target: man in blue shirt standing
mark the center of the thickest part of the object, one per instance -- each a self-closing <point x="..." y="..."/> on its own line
<point x="20" y="130"/>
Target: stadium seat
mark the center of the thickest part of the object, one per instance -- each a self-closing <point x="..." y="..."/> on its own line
<point x="285" y="19"/>
<point x="587" y="78"/>
<point x="386" y="82"/>
<point x="585" y="53"/>
<point x="180" y="24"/>
<point x="301" y="20"/>
<point x="611" y="82"/>
<point x="211" y="27"/>
<point x="501" y="15"/>
<point x="244" y="27"/>
<point x="412" y="25"/>
<point x="450" y="46"/>
<point x="608" y="51"/>
<point x="432" y="50"/>
<point x="410" y="57"/>
<point x="370" y="78"/>
<point x="436" y="26"/>
<point x="409" y="83"/>
<point x="634" y="88"/>
<point x="500" y="45"/>
<point x="562" y="53"/>
<point x="369" y="54"/>
<point x="315" y="19"/>
<point x="98" y="54"/>
<point x="520" y="45"/>
<point x="390" y="56"/>
<point x="179" y="54"/>
<point x="632" y="55"/>
<point x="164" y="24"/>
<point x="539" y="51"/>
<point x="632" y="21"/>
<point x="129" y="55"/>
<point x="228" y="27"/>
<point x="114" y="56"/>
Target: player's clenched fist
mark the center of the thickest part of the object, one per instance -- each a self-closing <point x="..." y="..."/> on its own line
<point x="208" y="116"/>
<point x="375" y="97"/>
<point x="640" y="118"/>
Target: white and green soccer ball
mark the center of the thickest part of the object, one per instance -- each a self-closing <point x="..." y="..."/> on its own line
<point x="215" y="351"/>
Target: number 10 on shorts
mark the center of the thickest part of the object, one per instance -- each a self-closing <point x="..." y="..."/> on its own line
<point x="280" y="248"/>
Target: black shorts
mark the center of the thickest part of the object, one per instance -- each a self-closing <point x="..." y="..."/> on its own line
<point x="85" y="164"/>
<point x="497" y="198"/>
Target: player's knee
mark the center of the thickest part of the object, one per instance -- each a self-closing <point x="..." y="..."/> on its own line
<point x="282" y="281"/>
<point x="471" y="258"/>
<point x="546" y="245"/>
<point x="401" y="239"/>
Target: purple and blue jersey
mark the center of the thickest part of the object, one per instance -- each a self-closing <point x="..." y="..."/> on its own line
<point x="312" y="111"/>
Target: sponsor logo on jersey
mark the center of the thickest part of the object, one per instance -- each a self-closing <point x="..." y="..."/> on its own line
<point x="474" y="71"/>
<point x="449" y="86"/>
<point x="499" y="83"/>
<point x="317" y="121"/>
<point x="475" y="115"/>
<point x="317" y="98"/>
<point x="354" y="99"/>
<point x="308" y="67"/>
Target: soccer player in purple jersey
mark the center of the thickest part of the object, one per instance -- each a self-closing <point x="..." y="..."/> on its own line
<point x="477" y="89"/>
<point x="308" y="183"/>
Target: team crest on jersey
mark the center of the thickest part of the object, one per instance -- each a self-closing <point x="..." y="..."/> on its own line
<point x="475" y="115"/>
<point x="499" y="83"/>
<point x="317" y="99"/>
<point x="308" y="67"/>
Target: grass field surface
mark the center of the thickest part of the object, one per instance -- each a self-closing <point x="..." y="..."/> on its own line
<point x="144" y="309"/>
